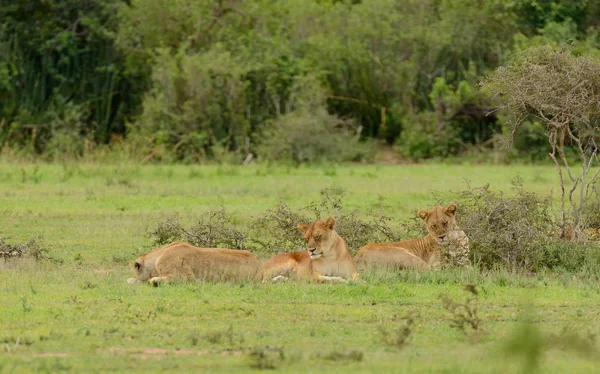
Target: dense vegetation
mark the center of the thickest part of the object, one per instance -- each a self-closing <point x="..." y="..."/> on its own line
<point x="194" y="80"/>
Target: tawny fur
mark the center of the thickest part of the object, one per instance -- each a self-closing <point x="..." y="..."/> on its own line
<point x="326" y="259"/>
<point x="418" y="253"/>
<point x="184" y="261"/>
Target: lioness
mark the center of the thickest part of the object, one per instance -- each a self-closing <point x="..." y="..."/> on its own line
<point x="182" y="260"/>
<point x="422" y="252"/>
<point x="326" y="257"/>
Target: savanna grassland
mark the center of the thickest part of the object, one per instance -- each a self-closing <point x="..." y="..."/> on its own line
<point x="75" y="312"/>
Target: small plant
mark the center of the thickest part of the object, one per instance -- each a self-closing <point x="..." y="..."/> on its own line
<point x="25" y="304"/>
<point x="266" y="358"/>
<point x="352" y="355"/>
<point x="31" y="248"/>
<point x="463" y="316"/>
<point x="399" y="336"/>
<point x="212" y="230"/>
<point x="530" y="343"/>
<point x="227" y="337"/>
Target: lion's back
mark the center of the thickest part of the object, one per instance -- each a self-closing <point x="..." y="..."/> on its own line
<point x="207" y="263"/>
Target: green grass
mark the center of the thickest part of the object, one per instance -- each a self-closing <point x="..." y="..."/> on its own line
<point x="69" y="314"/>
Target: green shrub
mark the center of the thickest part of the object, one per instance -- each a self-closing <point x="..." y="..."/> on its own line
<point x="308" y="133"/>
<point x="313" y="136"/>
<point x="423" y="137"/>
<point x="196" y="103"/>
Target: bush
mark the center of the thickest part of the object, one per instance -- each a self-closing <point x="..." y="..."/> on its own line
<point x="213" y="229"/>
<point x="195" y="105"/>
<point x="307" y="133"/>
<point x="313" y="136"/>
<point x="423" y="137"/>
<point x="512" y="232"/>
<point x="279" y="230"/>
<point x="31" y="248"/>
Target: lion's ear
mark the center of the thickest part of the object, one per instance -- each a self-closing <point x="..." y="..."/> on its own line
<point x="302" y="227"/>
<point x="451" y="209"/>
<point x="330" y="222"/>
<point x="423" y="214"/>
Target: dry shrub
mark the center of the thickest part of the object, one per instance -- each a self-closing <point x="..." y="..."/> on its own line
<point x="590" y="214"/>
<point x="266" y="358"/>
<point x="280" y="224"/>
<point x="463" y="316"/>
<point x="399" y="336"/>
<point x="31" y="248"/>
<point x="507" y="231"/>
<point x="278" y="230"/>
<point x="213" y="229"/>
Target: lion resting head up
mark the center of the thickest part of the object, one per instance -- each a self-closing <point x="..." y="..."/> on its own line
<point x="319" y="237"/>
<point x="441" y="226"/>
<point x="440" y="221"/>
<point x="326" y="258"/>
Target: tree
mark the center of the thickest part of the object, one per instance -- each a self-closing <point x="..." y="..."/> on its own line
<point x="562" y="91"/>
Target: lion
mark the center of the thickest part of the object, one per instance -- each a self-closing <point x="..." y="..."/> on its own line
<point x="184" y="261"/>
<point x="423" y="252"/>
<point x="326" y="259"/>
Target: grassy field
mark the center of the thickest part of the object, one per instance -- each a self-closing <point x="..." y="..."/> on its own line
<point x="76" y="313"/>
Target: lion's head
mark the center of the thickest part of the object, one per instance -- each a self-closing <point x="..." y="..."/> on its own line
<point x="439" y="221"/>
<point x="319" y="237"/>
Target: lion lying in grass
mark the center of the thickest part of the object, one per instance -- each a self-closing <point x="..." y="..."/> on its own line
<point x="184" y="261"/>
<point x="423" y="252"/>
<point x="326" y="257"/>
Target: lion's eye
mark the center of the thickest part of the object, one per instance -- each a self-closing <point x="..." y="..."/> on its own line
<point x="445" y="223"/>
<point x="318" y="237"/>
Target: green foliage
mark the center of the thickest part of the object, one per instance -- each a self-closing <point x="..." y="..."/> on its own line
<point x="528" y="343"/>
<point x="193" y="80"/>
<point x="196" y="103"/>
<point x="425" y="137"/>
<point x="305" y="136"/>
<point x="57" y="57"/>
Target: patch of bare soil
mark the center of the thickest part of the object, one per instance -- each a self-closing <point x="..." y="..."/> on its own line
<point x="102" y="271"/>
<point x="52" y="354"/>
<point x="160" y="353"/>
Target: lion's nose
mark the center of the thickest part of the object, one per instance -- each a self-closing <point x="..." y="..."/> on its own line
<point x="312" y="250"/>
<point x="442" y="237"/>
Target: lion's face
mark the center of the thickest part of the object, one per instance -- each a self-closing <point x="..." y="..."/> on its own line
<point x="439" y="221"/>
<point x="318" y="237"/>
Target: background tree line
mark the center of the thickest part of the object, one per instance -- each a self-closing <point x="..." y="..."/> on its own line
<point x="286" y="80"/>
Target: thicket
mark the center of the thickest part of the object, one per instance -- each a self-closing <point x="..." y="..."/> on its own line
<point x="196" y="79"/>
<point x="514" y="231"/>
